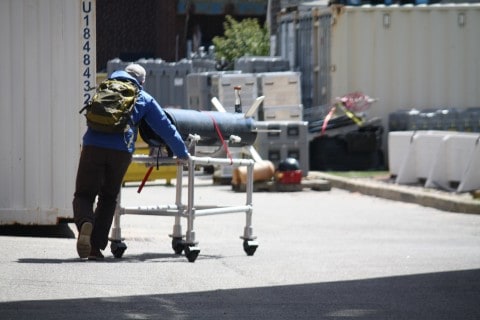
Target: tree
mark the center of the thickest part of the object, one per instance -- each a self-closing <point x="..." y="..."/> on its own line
<point x="241" y="38"/>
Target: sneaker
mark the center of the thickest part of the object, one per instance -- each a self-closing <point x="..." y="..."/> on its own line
<point x="95" y="254"/>
<point x="83" y="242"/>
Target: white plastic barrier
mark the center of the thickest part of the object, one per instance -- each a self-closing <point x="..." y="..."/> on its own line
<point x="471" y="175"/>
<point x="400" y="142"/>
<point x="453" y="158"/>
<point x="441" y="158"/>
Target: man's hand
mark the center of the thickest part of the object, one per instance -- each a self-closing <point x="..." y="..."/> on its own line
<point x="183" y="159"/>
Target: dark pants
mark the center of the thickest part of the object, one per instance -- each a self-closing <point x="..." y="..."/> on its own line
<point x="100" y="173"/>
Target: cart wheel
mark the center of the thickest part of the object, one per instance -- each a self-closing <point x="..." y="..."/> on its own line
<point x="250" y="247"/>
<point x="191" y="253"/>
<point x="178" y="245"/>
<point x="118" y="248"/>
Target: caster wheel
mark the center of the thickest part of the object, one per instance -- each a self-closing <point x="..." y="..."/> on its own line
<point x="178" y="245"/>
<point x="118" y="248"/>
<point x="250" y="246"/>
<point x="191" y="253"/>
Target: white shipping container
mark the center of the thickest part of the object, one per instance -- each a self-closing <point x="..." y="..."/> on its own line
<point x="48" y="54"/>
<point x="408" y="56"/>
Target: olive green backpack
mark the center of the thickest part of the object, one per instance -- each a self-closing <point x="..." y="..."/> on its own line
<point x="111" y="106"/>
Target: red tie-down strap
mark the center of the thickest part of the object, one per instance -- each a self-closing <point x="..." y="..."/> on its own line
<point x="327" y="119"/>
<point x="145" y="178"/>
<point x="219" y="133"/>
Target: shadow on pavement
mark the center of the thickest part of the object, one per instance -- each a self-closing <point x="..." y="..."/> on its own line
<point x="61" y="230"/>
<point x="444" y="295"/>
<point x="130" y="258"/>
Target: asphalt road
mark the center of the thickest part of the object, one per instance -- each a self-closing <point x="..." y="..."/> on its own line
<point x="322" y="255"/>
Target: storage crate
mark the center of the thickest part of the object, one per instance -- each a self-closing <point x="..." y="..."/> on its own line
<point x="164" y="81"/>
<point x="204" y="65"/>
<point x="199" y="91"/>
<point x="280" y="88"/>
<point x="276" y="151"/>
<point x="222" y="87"/>
<point x="257" y="64"/>
<point x="282" y="131"/>
<point x="365" y="139"/>
<point x="332" y="153"/>
<point x="168" y="83"/>
<point x="116" y="64"/>
<point x="282" y="113"/>
<point x="278" y="140"/>
<point x="469" y="119"/>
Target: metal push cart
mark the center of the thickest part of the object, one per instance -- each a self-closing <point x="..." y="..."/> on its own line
<point x="187" y="243"/>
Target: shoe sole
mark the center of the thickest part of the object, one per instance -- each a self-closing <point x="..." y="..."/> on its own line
<point x="83" y="242"/>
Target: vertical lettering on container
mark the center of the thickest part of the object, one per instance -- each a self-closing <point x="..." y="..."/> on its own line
<point x="88" y="67"/>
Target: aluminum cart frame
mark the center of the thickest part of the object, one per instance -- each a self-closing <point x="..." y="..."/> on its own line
<point x="187" y="243"/>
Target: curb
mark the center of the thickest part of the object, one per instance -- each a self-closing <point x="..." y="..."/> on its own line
<point x="426" y="197"/>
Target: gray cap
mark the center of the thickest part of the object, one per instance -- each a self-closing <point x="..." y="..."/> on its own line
<point x="136" y="71"/>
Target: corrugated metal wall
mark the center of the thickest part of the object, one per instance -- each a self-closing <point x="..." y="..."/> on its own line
<point x="304" y="39"/>
<point x="47" y="51"/>
<point x="421" y="57"/>
<point x="408" y="56"/>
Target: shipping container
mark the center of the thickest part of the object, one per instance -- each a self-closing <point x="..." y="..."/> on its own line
<point x="408" y="56"/>
<point x="49" y="64"/>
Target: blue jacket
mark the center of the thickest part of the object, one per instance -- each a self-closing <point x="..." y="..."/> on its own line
<point x="146" y="108"/>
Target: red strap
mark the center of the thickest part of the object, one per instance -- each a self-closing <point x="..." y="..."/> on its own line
<point x="219" y="133"/>
<point x="140" y="187"/>
<point x="327" y="118"/>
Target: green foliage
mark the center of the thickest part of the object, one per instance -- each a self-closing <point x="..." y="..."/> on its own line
<point x="241" y="38"/>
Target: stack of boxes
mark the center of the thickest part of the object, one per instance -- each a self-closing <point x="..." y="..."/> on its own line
<point x="282" y="96"/>
<point x="199" y="91"/>
<point x="202" y="87"/>
<point x="165" y="81"/>
<point x="285" y="132"/>
<point x="281" y="114"/>
<point x="253" y="64"/>
<point x="449" y="119"/>
<point x="282" y="139"/>
<point x="223" y="85"/>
